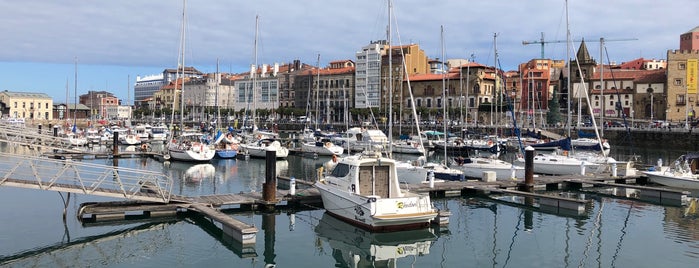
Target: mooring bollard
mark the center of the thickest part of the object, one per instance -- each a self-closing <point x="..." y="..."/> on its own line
<point x="614" y="174"/>
<point x="582" y="167"/>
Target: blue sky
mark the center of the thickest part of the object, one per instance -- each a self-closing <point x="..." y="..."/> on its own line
<point x="114" y="41"/>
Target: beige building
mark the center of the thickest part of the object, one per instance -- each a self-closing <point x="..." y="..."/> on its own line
<point x="26" y="105"/>
<point x="168" y="97"/>
<point x="682" y="97"/>
<point x="416" y="62"/>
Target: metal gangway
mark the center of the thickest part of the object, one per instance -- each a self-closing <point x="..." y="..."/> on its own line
<point x="36" y="172"/>
<point x="22" y="135"/>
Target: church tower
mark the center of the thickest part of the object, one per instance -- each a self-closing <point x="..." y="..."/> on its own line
<point x="587" y="65"/>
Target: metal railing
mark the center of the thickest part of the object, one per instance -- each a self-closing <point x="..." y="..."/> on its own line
<point x="42" y="173"/>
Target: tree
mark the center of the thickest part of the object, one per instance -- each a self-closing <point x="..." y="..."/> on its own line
<point x="553" y="116"/>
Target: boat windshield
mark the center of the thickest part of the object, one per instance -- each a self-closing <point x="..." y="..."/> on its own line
<point x="341" y="170"/>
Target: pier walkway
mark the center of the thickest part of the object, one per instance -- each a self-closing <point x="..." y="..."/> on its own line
<point x="42" y="173"/>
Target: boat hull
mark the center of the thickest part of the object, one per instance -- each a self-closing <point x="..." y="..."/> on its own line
<point x="406" y="213"/>
<point x="503" y="170"/>
<point x="226" y="153"/>
<point x="669" y="179"/>
<point x="327" y="149"/>
<point x="199" y="153"/>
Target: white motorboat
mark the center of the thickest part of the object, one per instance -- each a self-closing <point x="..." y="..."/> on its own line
<point x="76" y="139"/>
<point x="93" y="135"/>
<point x="680" y="174"/>
<point x="473" y="167"/>
<point x="260" y="147"/>
<point x="364" y="190"/>
<point x="408" y="147"/>
<point x="360" y="139"/>
<point x="130" y="138"/>
<point x="188" y="147"/>
<point x="158" y="133"/>
<point x="142" y="132"/>
<point x="418" y="172"/>
<point x="322" y="147"/>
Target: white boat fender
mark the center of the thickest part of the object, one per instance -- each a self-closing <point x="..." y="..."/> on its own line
<point x="292" y="186"/>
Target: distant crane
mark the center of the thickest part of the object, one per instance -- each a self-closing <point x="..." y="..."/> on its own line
<point x="543" y="42"/>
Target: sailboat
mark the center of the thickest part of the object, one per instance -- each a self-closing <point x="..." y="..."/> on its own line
<point x="226" y="146"/>
<point x="319" y="145"/>
<point x="476" y="166"/>
<point x="568" y="163"/>
<point x="419" y="171"/>
<point x="188" y="146"/>
<point x="260" y="142"/>
<point x="75" y="137"/>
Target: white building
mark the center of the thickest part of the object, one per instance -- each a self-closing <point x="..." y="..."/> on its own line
<point x="368" y="75"/>
<point x="118" y="112"/>
<point x="265" y="94"/>
<point x="146" y="86"/>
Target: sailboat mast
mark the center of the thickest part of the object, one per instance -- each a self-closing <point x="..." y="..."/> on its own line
<point x="218" y="108"/>
<point x="254" y="75"/>
<point x="570" y="90"/>
<point x="182" y="49"/>
<point x="601" y="79"/>
<point x="444" y="96"/>
<point x="390" y="82"/>
<point x="75" y="95"/>
<point x="317" y="92"/>
<point x="495" y="75"/>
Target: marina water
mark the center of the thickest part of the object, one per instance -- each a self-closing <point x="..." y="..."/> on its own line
<point x="482" y="232"/>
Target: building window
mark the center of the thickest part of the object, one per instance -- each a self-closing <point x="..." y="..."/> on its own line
<point x="681" y="66"/>
<point x="678" y="82"/>
<point x="680" y="99"/>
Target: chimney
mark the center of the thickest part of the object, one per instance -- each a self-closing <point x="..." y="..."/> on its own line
<point x="276" y="69"/>
<point x="264" y="70"/>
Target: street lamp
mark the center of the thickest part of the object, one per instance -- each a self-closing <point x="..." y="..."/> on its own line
<point x="649" y="90"/>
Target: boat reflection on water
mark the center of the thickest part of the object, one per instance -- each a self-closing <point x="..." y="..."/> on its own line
<point x="199" y="172"/>
<point x="356" y="247"/>
<point x="193" y="173"/>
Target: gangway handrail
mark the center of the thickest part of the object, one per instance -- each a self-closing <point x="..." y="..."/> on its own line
<point x="86" y="178"/>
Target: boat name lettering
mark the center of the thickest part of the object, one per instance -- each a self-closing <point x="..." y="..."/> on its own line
<point x="406" y="205"/>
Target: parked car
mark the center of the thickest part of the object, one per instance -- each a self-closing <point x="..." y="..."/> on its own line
<point x="659" y="124"/>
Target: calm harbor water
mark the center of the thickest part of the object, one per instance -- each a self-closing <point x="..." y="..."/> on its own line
<point x="482" y="232"/>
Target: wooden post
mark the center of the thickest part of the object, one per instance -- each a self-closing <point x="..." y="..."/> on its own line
<point x="115" y="143"/>
<point x="528" y="169"/>
<point x="269" y="187"/>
